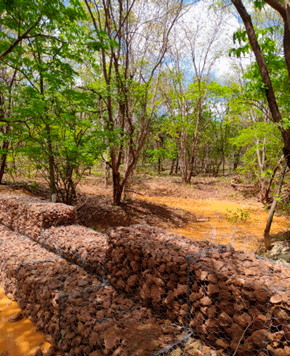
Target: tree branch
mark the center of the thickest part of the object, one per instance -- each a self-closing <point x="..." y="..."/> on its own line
<point x="19" y="39"/>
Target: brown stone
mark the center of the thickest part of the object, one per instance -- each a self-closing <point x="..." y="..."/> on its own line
<point x="205" y="301"/>
<point x="276" y="351"/>
<point x="261" y="338"/>
<point x="132" y="280"/>
<point x="211" y="311"/>
<point x="276" y="298"/>
<point x="212" y="289"/>
<point x="222" y="343"/>
<point x="286" y="330"/>
<point x="201" y="275"/>
<point x="195" y="296"/>
<point x="236" y="331"/>
<point x="118" y="351"/>
<point x="180" y="290"/>
<point x="213" y="326"/>
<point x="111" y="339"/>
<point x="15" y="317"/>
<point x="262" y="295"/>
<point x="225" y="295"/>
<point x="224" y="319"/>
<point x="94" y="339"/>
<point x="38" y="352"/>
<point x="156" y="293"/>
<point x="261" y="321"/>
<point x="243" y="320"/>
<point x="96" y="353"/>
<point x="145" y="292"/>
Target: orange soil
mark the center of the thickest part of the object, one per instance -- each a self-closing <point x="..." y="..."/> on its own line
<point x="213" y="226"/>
<point x="19" y="338"/>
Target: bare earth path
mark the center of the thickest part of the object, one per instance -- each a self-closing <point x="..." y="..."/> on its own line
<point x="197" y="211"/>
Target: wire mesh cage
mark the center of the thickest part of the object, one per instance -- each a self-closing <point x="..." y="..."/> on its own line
<point x="140" y="290"/>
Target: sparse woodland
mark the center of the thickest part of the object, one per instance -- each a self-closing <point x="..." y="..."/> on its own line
<point x="112" y="94"/>
<point x="169" y="87"/>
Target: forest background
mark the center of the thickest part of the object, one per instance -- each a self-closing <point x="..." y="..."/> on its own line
<point x="168" y="87"/>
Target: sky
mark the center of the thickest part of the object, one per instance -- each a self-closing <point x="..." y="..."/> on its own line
<point x="206" y="33"/>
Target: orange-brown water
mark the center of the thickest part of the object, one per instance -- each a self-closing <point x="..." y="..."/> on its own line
<point x="21" y="338"/>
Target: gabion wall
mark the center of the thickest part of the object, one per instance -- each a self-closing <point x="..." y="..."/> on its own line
<point x="140" y="291"/>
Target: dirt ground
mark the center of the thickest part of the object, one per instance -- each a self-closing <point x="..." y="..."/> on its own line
<point x="208" y="209"/>
<point x="19" y="337"/>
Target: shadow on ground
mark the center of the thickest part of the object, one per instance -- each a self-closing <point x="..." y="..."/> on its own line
<point x="99" y="213"/>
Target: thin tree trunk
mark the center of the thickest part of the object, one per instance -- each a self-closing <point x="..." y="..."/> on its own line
<point x="107" y="170"/>
<point x="172" y="166"/>
<point x="118" y="188"/>
<point x="51" y="170"/>
<point x="5" y="147"/>
<point x="177" y="165"/>
<point x="195" y="139"/>
<point x="267" y="240"/>
<point x="5" y="144"/>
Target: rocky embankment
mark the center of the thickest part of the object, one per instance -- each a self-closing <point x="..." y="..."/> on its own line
<point x="138" y="290"/>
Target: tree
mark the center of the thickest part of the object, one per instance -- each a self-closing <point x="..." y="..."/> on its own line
<point x="258" y="135"/>
<point x="44" y="59"/>
<point x="134" y="36"/>
<point x="264" y="67"/>
<point x="194" y="45"/>
<point x="8" y="82"/>
<point x="24" y="19"/>
<point x="283" y="10"/>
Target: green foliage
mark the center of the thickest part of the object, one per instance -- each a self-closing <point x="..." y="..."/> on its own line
<point x="236" y="216"/>
<point x="70" y="105"/>
<point x="53" y="123"/>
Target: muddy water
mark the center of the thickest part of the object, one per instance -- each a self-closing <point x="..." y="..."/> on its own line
<point x="213" y="225"/>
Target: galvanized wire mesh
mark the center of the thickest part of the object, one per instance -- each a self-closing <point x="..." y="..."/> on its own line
<point x="146" y="292"/>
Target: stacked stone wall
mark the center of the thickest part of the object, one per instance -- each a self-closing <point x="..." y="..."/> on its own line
<point x="92" y="294"/>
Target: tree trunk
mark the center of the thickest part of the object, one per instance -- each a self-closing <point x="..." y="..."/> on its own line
<point x="5" y="144"/>
<point x="5" y="147"/>
<point x="266" y="188"/>
<point x="286" y="148"/>
<point x="51" y="170"/>
<point x="177" y="165"/>
<point x="267" y="240"/>
<point x="237" y="154"/>
<point x="160" y="142"/>
<point x="269" y="91"/>
<point x="70" y="188"/>
<point x="118" y="188"/>
<point x="172" y="166"/>
<point x="195" y="139"/>
<point x="183" y="161"/>
<point x="107" y="171"/>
